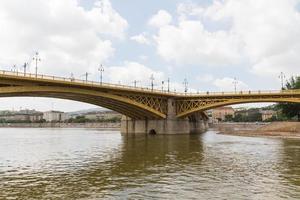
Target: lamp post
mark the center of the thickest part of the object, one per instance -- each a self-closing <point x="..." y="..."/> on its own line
<point x="152" y="82"/>
<point x="235" y="82"/>
<point x="14" y="68"/>
<point x="168" y="85"/>
<point x="86" y="74"/>
<point x="162" y="85"/>
<point x="282" y="77"/>
<point x="101" y="70"/>
<point x="24" y="67"/>
<point x="37" y="59"/>
<point x="72" y="77"/>
<point x="185" y="83"/>
<point x="135" y="83"/>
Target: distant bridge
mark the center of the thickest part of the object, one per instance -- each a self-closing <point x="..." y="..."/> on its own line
<point x="134" y="102"/>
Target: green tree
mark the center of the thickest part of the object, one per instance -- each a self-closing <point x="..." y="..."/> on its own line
<point x="255" y="117"/>
<point x="239" y="118"/>
<point x="291" y="110"/>
<point x="228" y="118"/>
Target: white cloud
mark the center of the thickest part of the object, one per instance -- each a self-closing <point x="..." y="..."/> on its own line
<point x="190" y="43"/>
<point x="262" y="34"/>
<point x="141" y="38"/>
<point x="133" y="71"/>
<point x="106" y="20"/>
<point x="287" y="62"/>
<point x="227" y="84"/>
<point x="189" y="9"/>
<point x="205" y="78"/>
<point x="68" y="37"/>
<point x="161" y="18"/>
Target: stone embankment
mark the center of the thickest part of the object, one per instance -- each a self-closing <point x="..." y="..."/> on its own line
<point x="275" y="129"/>
<point x="62" y="125"/>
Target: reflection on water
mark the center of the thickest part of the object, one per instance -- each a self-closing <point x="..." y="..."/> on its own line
<point x="91" y="164"/>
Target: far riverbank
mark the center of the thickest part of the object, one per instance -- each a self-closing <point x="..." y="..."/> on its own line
<point x="274" y="129"/>
<point x="99" y="125"/>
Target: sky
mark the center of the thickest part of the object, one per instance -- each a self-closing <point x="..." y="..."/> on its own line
<point x="208" y="42"/>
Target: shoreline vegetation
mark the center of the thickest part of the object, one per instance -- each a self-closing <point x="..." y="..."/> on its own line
<point x="274" y="129"/>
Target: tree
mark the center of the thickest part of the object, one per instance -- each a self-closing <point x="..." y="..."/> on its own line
<point x="291" y="110"/>
<point x="255" y="117"/>
<point x="228" y="118"/>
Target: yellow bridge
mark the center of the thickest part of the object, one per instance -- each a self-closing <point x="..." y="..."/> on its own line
<point x="134" y="102"/>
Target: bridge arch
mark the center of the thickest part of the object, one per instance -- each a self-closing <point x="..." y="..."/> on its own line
<point x="114" y="102"/>
<point x="208" y="106"/>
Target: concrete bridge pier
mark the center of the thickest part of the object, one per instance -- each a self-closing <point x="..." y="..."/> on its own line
<point x="195" y="123"/>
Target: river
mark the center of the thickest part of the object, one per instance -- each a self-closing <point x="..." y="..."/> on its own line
<point x="94" y="164"/>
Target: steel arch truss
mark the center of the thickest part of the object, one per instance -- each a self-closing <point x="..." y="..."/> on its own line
<point x="131" y="106"/>
<point x="188" y="106"/>
<point x="155" y="102"/>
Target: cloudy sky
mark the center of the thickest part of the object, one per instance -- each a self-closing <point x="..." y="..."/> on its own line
<point x="208" y="42"/>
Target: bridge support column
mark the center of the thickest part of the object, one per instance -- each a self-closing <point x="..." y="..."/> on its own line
<point x="171" y="125"/>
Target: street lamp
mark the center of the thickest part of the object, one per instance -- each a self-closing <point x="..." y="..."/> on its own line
<point x="72" y="77"/>
<point x="86" y="74"/>
<point x="135" y="83"/>
<point x="37" y="59"/>
<point x="14" y="68"/>
<point x="168" y="84"/>
<point x="185" y="83"/>
<point x="24" y="67"/>
<point x="152" y="82"/>
<point x="101" y="70"/>
<point x="235" y="82"/>
<point x="282" y="77"/>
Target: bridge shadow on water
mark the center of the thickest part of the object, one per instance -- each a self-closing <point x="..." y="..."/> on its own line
<point x="143" y="160"/>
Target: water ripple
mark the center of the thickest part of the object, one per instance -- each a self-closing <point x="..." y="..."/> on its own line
<point x="91" y="164"/>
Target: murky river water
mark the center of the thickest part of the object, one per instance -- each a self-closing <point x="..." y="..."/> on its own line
<point x="93" y="164"/>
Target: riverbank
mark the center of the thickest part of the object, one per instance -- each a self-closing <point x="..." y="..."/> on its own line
<point x="274" y="129"/>
<point x="104" y="125"/>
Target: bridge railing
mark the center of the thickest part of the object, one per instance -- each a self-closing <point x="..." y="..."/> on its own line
<point x="248" y="92"/>
<point x="75" y="80"/>
<point x="95" y="83"/>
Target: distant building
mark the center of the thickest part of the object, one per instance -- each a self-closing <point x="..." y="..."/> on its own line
<point x="267" y="114"/>
<point x="246" y="112"/>
<point x="219" y="114"/>
<point x="14" y="117"/>
<point x="21" y="116"/>
<point x="102" y="115"/>
<point x="54" y="116"/>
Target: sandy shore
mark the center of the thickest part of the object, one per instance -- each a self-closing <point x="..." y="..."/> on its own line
<point x="275" y="129"/>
